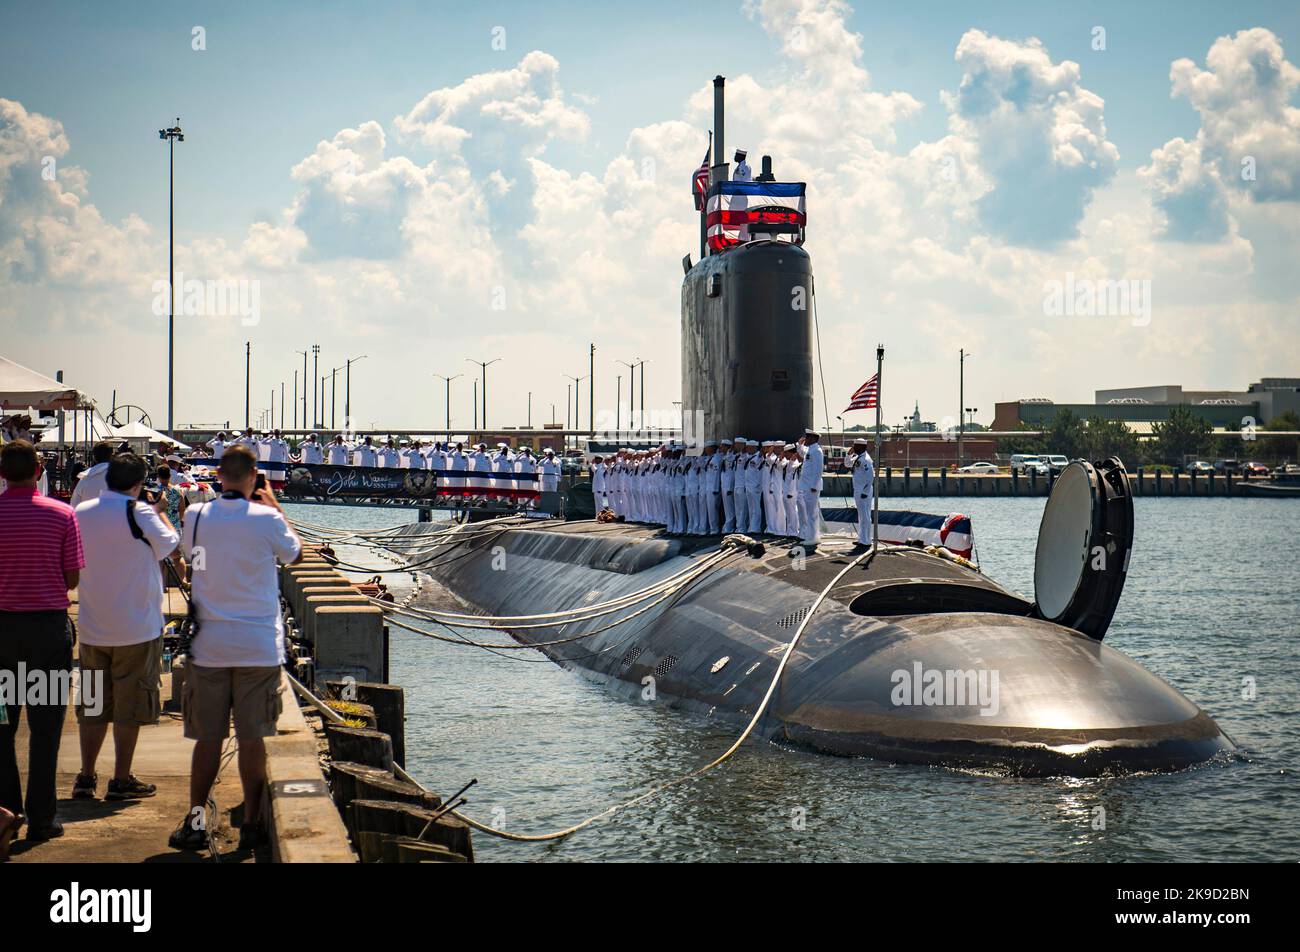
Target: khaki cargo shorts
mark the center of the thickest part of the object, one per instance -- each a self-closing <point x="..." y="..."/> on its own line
<point x="212" y="695"/>
<point x="120" y="683"/>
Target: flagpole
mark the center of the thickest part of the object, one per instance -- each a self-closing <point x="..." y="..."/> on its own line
<point x="875" y="489"/>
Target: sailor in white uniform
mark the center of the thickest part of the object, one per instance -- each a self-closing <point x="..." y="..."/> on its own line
<point x="458" y="465"/>
<point x="277" y="448"/>
<point x="754" y="488"/>
<point x="790" y="485"/>
<point x="863" y="470"/>
<point x="726" y="485"/>
<point x="742" y="172"/>
<point x="691" y="489"/>
<point x="526" y="465"/>
<point x="677" y="489"/>
<point x="738" y="500"/>
<point x="365" y="454"/>
<point x="387" y="455"/>
<point x="479" y="468"/>
<point x="599" y="475"/>
<point x="711" y="488"/>
<point x="810" y="489"/>
<point x="775" y="489"/>
<point x="339" y="452"/>
<point x="549" y="469"/>
<point x="310" y="450"/>
<point x="503" y="462"/>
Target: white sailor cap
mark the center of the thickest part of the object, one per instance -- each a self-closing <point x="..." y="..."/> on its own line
<point x="709" y="443"/>
<point x="790" y="447"/>
<point x="503" y="446"/>
<point x="809" y="431"/>
<point x="726" y="443"/>
<point x="480" y="446"/>
<point x="751" y="442"/>
<point x="860" y="441"/>
<point x="548" y="451"/>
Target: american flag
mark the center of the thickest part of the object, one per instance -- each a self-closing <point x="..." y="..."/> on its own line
<point x="866" y="396"/>
<point x="700" y="180"/>
<point x="737" y="211"/>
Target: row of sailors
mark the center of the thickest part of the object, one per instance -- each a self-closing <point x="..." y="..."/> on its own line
<point x="738" y="485"/>
<point x="476" y="462"/>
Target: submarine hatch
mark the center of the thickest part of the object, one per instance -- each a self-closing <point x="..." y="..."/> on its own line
<point x="1084" y="542"/>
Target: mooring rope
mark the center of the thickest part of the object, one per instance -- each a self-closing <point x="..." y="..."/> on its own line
<point x="653" y="791"/>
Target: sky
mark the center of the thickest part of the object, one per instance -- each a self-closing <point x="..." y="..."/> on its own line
<point x="427" y="184"/>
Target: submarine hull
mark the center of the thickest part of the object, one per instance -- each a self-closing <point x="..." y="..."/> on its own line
<point x="980" y="684"/>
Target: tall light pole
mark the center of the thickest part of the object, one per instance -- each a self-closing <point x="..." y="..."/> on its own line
<point x="474" y="404"/>
<point x="248" y="366"/>
<point x="631" y="382"/>
<point x="961" y="401"/>
<point x="321" y="398"/>
<point x="305" y="424"/>
<point x="295" y="399"/>
<point x="315" y="376"/>
<point x="334" y="397"/>
<point x="347" y="389"/>
<point x="447" y="381"/>
<point x="484" y="365"/>
<point x="529" y="423"/>
<point x="591" y="389"/>
<point x="281" y="404"/>
<point x="641" y="366"/>
<point x="577" y="393"/>
<point x="618" y="387"/>
<point x="171" y="137"/>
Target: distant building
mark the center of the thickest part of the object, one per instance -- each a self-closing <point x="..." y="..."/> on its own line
<point x="1140" y="407"/>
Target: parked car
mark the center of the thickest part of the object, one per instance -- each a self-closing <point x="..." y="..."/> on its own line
<point x="981" y="467"/>
<point x="1253" y="468"/>
<point x="1056" y="462"/>
<point x="1199" y="466"/>
<point x="1227" y="466"/>
<point x="1026" y="464"/>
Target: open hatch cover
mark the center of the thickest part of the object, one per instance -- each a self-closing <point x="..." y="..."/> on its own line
<point x="1083" y="546"/>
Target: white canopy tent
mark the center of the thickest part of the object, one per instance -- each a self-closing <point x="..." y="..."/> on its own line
<point x="136" y="430"/>
<point x="21" y="387"/>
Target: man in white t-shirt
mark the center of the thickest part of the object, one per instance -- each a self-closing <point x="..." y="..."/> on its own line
<point x="119" y="620"/>
<point x="233" y="544"/>
<point x="91" y="483"/>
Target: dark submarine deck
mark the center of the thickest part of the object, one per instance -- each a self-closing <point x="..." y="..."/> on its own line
<point x="1057" y="702"/>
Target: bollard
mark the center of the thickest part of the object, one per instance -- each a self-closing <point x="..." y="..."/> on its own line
<point x="307" y="624"/>
<point x="349" y="641"/>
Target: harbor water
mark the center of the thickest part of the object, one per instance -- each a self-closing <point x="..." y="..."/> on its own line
<point x="1210" y="606"/>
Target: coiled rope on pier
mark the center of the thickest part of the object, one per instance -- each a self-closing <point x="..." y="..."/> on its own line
<point x="653" y="791"/>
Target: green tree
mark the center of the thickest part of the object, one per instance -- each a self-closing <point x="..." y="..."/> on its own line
<point x="1008" y="445"/>
<point x="1183" y="434"/>
<point x="1103" y="438"/>
<point x="1065" y="435"/>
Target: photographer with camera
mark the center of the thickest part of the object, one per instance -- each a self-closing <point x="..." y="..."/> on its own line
<point x="120" y="622"/>
<point x="232" y="545"/>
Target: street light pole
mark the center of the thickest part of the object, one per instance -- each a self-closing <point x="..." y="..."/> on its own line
<point x="171" y="136"/>
<point x="641" y="424"/>
<point x="334" y="396"/>
<point x="961" y="402"/>
<point x="295" y="399"/>
<point x="248" y="366"/>
<point x="315" y="375"/>
<point x="448" y="381"/>
<point x="305" y="424"/>
<point x="347" y="390"/>
<point x="484" y="364"/>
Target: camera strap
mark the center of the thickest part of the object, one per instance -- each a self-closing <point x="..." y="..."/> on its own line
<point x="136" y="531"/>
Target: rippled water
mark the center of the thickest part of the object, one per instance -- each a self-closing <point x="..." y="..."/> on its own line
<point x="1211" y="599"/>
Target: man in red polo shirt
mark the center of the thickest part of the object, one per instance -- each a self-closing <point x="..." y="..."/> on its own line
<point x="40" y="560"/>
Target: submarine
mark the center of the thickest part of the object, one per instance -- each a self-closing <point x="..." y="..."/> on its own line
<point x="910" y="656"/>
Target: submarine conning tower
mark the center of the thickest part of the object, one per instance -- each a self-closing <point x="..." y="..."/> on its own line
<point x="747" y="336"/>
